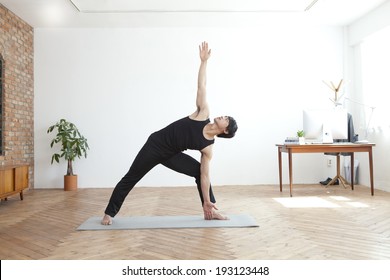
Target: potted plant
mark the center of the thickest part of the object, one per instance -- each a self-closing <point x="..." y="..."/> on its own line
<point x="301" y="137"/>
<point x="73" y="145"/>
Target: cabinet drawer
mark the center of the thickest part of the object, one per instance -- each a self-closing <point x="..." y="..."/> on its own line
<point x="7" y="181"/>
<point x="13" y="180"/>
<point x="21" y="178"/>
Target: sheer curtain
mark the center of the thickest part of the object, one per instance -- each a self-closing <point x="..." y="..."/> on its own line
<point x="375" y="79"/>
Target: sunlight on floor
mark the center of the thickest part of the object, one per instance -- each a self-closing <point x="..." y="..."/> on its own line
<point x="305" y="202"/>
<point x="340" y="198"/>
<point x="317" y="202"/>
<point x="349" y="202"/>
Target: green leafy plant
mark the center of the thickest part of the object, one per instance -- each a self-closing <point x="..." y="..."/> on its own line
<point x="73" y="144"/>
<point x="300" y="133"/>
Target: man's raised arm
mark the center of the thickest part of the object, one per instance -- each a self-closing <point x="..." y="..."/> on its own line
<point x="201" y="102"/>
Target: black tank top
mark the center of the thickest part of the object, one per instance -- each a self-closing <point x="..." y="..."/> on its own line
<point x="182" y="135"/>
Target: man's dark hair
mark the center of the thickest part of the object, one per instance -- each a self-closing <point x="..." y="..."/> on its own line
<point x="232" y="128"/>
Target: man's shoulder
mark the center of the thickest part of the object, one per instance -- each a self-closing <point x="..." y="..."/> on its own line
<point x="200" y="115"/>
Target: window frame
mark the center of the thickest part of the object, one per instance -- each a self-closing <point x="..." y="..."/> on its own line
<point x="2" y="62"/>
<point x="374" y="61"/>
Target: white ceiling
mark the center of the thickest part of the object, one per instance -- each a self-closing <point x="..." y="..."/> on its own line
<point x="150" y="13"/>
<point x="189" y="5"/>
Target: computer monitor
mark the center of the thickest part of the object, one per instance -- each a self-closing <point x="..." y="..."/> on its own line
<point x="323" y="126"/>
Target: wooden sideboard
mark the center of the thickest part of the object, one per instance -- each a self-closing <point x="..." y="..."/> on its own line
<point x="13" y="180"/>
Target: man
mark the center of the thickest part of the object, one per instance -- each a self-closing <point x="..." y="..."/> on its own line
<point x="166" y="147"/>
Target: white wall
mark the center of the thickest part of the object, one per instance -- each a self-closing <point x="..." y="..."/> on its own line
<point x="357" y="32"/>
<point x="120" y="85"/>
<point x="370" y="23"/>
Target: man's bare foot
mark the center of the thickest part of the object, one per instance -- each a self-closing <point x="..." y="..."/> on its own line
<point x="219" y="216"/>
<point x="106" y="220"/>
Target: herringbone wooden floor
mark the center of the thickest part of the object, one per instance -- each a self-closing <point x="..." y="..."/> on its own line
<point x="317" y="223"/>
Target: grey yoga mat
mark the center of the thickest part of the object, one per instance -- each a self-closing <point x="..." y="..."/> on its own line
<point x="161" y="222"/>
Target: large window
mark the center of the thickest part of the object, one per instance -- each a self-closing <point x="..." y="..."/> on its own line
<point x="375" y="59"/>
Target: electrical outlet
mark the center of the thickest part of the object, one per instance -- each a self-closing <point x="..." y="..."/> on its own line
<point x="329" y="162"/>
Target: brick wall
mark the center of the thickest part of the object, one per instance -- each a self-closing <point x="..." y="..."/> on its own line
<point x="16" y="48"/>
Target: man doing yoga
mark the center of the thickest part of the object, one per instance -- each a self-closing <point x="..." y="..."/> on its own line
<point x="166" y="146"/>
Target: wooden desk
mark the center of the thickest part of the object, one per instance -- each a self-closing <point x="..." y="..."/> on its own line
<point x="325" y="148"/>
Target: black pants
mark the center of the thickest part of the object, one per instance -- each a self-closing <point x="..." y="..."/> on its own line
<point x="148" y="157"/>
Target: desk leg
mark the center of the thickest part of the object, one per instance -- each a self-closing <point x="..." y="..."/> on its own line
<point x="280" y="168"/>
<point x="352" y="170"/>
<point x="290" y="170"/>
<point x="371" y="171"/>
